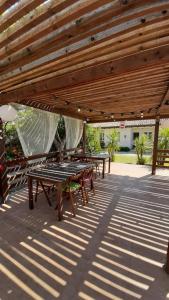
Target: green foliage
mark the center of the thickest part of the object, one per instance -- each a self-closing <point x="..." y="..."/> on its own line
<point x="113" y="144"/>
<point x="93" y="138"/>
<point x="163" y="142"/>
<point x="141" y="145"/>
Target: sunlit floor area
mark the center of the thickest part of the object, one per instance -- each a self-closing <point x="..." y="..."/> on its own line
<point x="114" y="248"/>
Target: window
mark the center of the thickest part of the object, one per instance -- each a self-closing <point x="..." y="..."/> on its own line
<point x="135" y="135"/>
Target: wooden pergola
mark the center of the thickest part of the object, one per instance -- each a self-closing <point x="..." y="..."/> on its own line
<point x="96" y="60"/>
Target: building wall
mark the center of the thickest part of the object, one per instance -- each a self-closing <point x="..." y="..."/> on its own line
<point x="126" y="135"/>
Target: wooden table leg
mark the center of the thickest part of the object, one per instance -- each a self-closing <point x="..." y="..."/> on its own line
<point x="59" y="201"/>
<point x="109" y="165"/>
<point x="103" y="168"/>
<point x="30" y="190"/>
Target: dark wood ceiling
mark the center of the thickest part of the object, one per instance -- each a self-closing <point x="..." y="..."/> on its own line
<point x="92" y="59"/>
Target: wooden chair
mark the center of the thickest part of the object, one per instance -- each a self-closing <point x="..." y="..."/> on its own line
<point x="88" y="183"/>
<point x="72" y="188"/>
<point x="46" y="188"/>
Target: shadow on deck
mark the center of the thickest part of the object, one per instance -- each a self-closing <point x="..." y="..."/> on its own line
<point x="114" y="248"/>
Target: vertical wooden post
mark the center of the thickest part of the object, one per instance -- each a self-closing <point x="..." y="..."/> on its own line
<point x="84" y="137"/>
<point x="166" y="266"/>
<point x="3" y="173"/>
<point x="155" y="148"/>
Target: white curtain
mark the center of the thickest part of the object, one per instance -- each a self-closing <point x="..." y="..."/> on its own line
<point x="74" y="131"/>
<point x="36" y="129"/>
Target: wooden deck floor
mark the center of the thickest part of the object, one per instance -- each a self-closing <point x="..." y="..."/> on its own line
<point x="113" y="249"/>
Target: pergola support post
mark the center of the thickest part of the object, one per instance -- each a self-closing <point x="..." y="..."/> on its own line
<point x="3" y="173"/>
<point x="84" y="137"/>
<point x="155" y="148"/>
<point x="166" y="266"/>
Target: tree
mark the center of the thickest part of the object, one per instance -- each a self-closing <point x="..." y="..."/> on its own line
<point x="93" y="138"/>
<point x="141" y="145"/>
<point x="113" y="144"/>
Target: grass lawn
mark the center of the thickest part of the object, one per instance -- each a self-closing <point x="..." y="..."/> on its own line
<point x="130" y="159"/>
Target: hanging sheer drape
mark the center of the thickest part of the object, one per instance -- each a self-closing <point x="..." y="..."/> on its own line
<point x="36" y="129"/>
<point x="74" y="131"/>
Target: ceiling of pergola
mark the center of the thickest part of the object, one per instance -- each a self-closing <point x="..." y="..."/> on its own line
<point x="90" y="59"/>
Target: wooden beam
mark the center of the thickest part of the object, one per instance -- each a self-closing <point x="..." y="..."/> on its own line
<point x="32" y="19"/>
<point x="166" y="266"/>
<point x="155" y="148"/>
<point x="107" y="50"/>
<point x="5" y="4"/>
<point x="52" y="108"/>
<point x="51" y="25"/>
<point x="84" y="137"/>
<point x="22" y="8"/>
<point x="157" y="56"/>
<point x="43" y="47"/>
<point x="164" y="99"/>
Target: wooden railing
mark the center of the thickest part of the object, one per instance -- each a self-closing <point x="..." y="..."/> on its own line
<point x="162" y="158"/>
<point x="17" y="169"/>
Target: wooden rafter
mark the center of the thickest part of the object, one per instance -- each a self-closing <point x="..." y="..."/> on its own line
<point x="5" y="4"/>
<point x="147" y="58"/>
<point x="32" y="19"/>
<point x="43" y="47"/>
<point x="105" y="50"/>
<point x="22" y="7"/>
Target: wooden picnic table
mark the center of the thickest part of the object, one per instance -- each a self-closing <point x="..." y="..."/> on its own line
<point x="56" y="174"/>
<point x="95" y="157"/>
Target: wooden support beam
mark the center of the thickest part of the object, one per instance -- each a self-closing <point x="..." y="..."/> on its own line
<point x="145" y="59"/>
<point x="166" y="266"/>
<point x="52" y="108"/>
<point x="164" y="99"/>
<point x="157" y="124"/>
<point x="3" y="174"/>
<point x="84" y="137"/>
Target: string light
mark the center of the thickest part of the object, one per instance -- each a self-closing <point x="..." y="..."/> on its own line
<point x="107" y="115"/>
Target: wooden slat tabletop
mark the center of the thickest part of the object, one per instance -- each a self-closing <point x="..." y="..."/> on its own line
<point x="59" y="172"/>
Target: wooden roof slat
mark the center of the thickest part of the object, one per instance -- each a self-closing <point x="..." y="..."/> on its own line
<point x="151" y="74"/>
<point x="32" y="19"/>
<point x="30" y="54"/>
<point x="51" y="24"/>
<point x="22" y="8"/>
<point x="108" y="89"/>
<point x="103" y="48"/>
<point x="147" y="58"/>
<point x="160" y="72"/>
<point x="107" y="57"/>
<point x="5" y="4"/>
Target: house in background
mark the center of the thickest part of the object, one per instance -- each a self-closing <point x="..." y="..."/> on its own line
<point x="129" y="131"/>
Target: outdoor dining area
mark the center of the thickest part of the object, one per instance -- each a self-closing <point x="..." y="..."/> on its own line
<point x="74" y="225"/>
